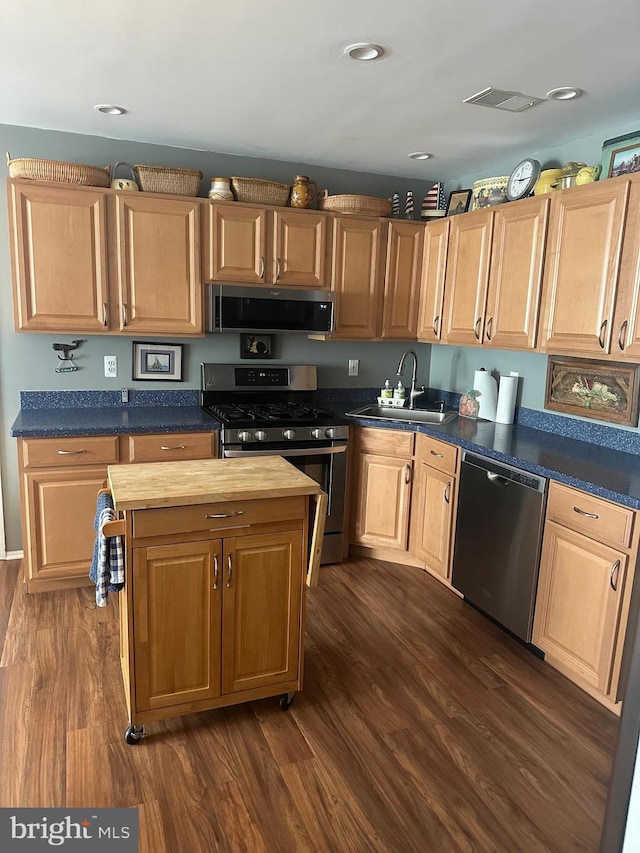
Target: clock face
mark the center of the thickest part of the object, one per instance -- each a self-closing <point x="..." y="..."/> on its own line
<point x="523" y="178"/>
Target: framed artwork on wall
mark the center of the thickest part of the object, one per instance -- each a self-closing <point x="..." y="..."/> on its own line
<point x="605" y="391"/>
<point x="154" y="361"/>
<point x="621" y="155"/>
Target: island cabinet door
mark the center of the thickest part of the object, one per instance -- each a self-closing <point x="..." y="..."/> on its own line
<point x="176" y="618"/>
<point x="262" y="580"/>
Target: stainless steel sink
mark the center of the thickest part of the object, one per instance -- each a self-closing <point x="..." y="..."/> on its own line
<point x="409" y="416"/>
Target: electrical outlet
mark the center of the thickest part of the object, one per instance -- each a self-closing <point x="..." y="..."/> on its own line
<point x="110" y="366"/>
<point x="124" y="395"/>
<point x="354" y="366"/>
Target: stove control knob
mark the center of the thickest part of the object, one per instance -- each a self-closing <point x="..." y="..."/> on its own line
<point x="244" y="435"/>
<point x="259" y="435"/>
<point x="316" y="432"/>
<point x="330" y="432"/>
<point x="289" y="434"/>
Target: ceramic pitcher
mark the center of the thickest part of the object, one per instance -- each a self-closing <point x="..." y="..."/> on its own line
<point x="588" y="174"/>
<point x="303" y="191"/>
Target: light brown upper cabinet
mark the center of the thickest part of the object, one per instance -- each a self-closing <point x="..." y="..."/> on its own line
<point x="582" y="269"/>
<point x="91" y="260"/>
<point x="265" y="246"/>
<point x="434" y="259"/>
<point x="58" y="238"/>
<point x="357" y="277"/>
<point x="402" y="280"/>
<point x="467" y="277"/>
<point x="159" y="265"/>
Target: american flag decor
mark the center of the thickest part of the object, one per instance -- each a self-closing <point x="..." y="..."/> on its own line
<point x="434" y="204"/>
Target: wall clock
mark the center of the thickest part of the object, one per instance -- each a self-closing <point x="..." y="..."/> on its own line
<point x="523" y="179"/>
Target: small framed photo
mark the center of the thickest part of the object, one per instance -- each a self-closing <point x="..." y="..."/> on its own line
<point x="157" y="361"/>
<point x="605" y="391"/>
<point x="458" y="202"/>
<point x="621" y="155"/>
<point x="256" y="346"/>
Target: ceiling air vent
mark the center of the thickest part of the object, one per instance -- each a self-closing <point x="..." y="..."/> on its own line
<point x="500" y="99"/>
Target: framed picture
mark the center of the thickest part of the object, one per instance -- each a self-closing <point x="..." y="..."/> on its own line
<point x="157" y="361"/>
<point x="256" y="346"/>
<point x="621" y="155"/>
<point x="458" y="202"/>
<point x="605" y="391"/>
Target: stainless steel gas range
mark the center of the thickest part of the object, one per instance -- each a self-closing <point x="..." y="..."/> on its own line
<point x="274" y="411"/>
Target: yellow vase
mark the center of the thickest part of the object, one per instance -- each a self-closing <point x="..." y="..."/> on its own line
<point x="303" y="191"/>
<point x="546" y="181"/>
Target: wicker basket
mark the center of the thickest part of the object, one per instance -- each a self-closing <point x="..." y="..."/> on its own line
<point x="161" y="179"/>
<point x="55" y="170"/>
<point x="259" y="191"/>
<point x="365" y="205"/>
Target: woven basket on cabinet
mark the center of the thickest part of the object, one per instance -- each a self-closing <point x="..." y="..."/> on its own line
<point x="259" y="191"/>
<point x="36" y="169"/>
<point x="161" y="179"/>
<point x="365" y="205"/>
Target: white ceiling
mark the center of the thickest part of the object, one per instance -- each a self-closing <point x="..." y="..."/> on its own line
<point x="266" y="78"/>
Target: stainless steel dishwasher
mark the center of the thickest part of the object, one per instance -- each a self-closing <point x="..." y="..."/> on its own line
<point x="498" y="540"/>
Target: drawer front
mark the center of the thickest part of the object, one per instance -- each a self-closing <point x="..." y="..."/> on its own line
<point x="386" y="442"/>
<point x="173" y="446"/>
<point x="595" y="517"/>
<point x="63" y="452"/>
<point x="234" y="515"/>
<point x="437" y="453"/>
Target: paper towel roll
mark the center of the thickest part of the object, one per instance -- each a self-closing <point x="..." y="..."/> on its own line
<point x="487" y="388"/>
<point x="506" y="399"/>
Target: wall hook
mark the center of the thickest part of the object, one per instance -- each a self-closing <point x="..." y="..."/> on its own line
<point x="66" y="349"/>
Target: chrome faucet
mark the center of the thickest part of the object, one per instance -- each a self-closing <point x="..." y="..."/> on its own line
<point x="413" y="392"/>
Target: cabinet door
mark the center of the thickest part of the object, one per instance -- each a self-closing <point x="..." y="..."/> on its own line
<point x="515" y="278"/>
<point x="466" y="280"/>
<point x="578" y="605"/>
<point x="402" y="280"/>
<point x="300" y="249"/>
<point x="626" y="325"/>
<point x="383" y="495"/>
<point x="59" y="258"/>
<point x="176" y="623"/>
<point x="262" y="610"/>
<point x="59" y="509"/>
<point x="432" y="516"/>
<point x="582" y="267"/>
<point x="237" y="243"/>
<point x="434" y="259"/>
<point x="357" y="276"/>
<point x="159" y="265"/>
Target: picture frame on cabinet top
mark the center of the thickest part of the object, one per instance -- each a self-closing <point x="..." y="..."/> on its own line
<point x="157" y="361"/>
<point x="621" y="155"/>
<point x="604" y="391"/>
<point x="459" y="201"/>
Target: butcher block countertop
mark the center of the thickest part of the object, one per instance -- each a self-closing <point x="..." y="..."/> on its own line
<point x="166" y="484"/>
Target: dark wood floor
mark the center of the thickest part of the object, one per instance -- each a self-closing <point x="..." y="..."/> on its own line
<point x="422" y="727"/>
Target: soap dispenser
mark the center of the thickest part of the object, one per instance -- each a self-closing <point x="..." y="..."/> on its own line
<point x="398" y="393"/>
<point x="386" y="392"/>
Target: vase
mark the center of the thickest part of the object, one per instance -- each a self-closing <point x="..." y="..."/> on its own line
<point x="221" y="190"/>
<point x="303" y="192"/>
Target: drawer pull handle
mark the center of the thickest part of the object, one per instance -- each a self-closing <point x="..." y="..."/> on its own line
<point x="603" y="326"/>
<point x="261" y="273"/>
<point x="177" y="447"/>
<point x="215" y="571"/>
<point x="476" y="328"/>
<point x="622" y="335"/>
<point x="407" y="473"/>
<point x="586" y="514"/>
<point x="447" y="492"/>
<point x="439" y="455"/>
<point x="225" y="514"/>
<point x="124" y="314"/>
<point x="69" y="452"/>
<point x="435" y="326"/>
<point x="230" y="570"/>
<point x="277" y="269"/>
<point x="489" y="328"/>
<point x="105" y="314"/>
<point x="615" y="569"/>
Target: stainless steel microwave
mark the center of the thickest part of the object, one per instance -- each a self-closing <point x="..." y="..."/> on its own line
<point x="235" y="308"/>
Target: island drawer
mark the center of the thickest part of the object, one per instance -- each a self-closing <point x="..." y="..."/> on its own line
<point x="214" y="517"/>
<point x="595" y="517"/>
<point x="438" y="454"/>
<point x="385" y="442"/>
<point x="167" y="447"/>
<point x="64" y="452"/>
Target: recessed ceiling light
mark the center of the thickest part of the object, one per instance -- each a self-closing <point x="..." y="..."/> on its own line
<point x="363" y="51"/>
<point x="110" y="109"/>
<point x="564" y="93"/>
<point x="419" y="155"/>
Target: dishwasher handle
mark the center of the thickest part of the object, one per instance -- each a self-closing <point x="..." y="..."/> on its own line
<point x="497" y="478"/>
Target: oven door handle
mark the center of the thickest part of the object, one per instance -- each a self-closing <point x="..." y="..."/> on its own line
<point x="309" y="451"/>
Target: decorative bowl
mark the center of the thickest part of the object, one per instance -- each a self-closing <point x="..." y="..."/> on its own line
<point x="546" y="183"/>
<point x="489" y="191"/>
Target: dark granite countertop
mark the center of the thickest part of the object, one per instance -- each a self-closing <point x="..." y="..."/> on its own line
<point x="106" y="420"/>
<point x="611" y="474"/>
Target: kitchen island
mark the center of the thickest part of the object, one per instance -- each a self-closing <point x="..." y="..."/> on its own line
<point x="217" y="555"/>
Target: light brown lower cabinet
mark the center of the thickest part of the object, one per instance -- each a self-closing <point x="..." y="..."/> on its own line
<point x="588" y="552"/>
<point x="60" y="479"/>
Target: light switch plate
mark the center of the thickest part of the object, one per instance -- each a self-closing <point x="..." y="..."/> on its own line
<point x="354" y="366"/>
<point x="110" y="366"/>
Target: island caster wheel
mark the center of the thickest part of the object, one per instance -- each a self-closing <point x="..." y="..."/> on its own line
<point x="133" y="735"/>
<point x="285" y="701"/>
